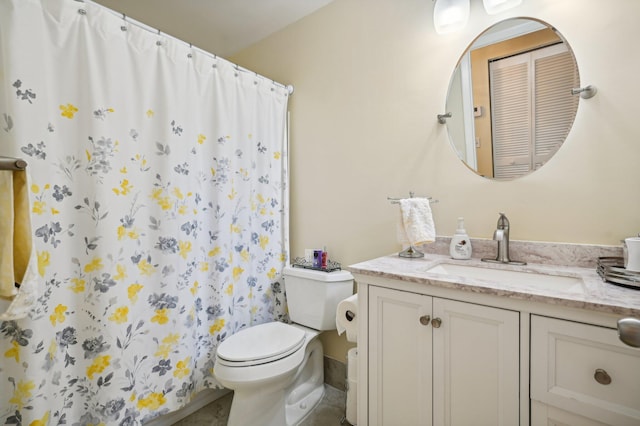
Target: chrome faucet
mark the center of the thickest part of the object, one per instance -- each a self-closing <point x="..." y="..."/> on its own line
<point x="501" y="235"/>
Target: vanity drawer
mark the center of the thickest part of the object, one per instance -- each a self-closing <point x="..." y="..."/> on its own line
<point x="585" y="369"/>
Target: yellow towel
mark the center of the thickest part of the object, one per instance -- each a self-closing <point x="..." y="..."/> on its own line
<point x="18" y="262"/>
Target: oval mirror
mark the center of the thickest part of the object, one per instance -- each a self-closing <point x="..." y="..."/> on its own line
<point x="509" y="102"/>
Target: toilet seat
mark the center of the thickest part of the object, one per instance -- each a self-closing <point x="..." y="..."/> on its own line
<point x="260" y="344"/>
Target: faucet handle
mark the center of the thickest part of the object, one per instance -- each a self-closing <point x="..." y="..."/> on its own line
<point x="503" y="222"/>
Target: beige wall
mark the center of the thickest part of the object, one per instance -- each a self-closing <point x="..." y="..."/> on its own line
<point x="370" y="77"/>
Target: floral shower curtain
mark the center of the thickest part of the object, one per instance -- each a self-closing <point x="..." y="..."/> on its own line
<point x="159" y="212"/>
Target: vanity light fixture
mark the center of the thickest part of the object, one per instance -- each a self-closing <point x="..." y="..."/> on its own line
<point x="496" y="6"/>
<point x="450" y="15"/>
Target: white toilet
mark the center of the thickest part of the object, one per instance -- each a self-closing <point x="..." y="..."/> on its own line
<point x="276" y="369"/>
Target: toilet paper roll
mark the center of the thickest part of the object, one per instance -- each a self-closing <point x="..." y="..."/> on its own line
<point x="351" y="412"/>
<point x="352" y="364"/>
<point x="347" y="317"/>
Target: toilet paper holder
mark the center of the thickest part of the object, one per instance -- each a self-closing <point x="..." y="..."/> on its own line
<point x="347" y="318"/>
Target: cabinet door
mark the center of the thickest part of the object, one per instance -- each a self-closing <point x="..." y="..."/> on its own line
<point x="399" y="358"/>
<point x="476" y="364"/>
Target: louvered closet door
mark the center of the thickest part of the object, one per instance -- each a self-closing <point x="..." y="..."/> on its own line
<point x="555" y="107"/>
<point x="532" y="108"/>
<point x="511" y="116"/>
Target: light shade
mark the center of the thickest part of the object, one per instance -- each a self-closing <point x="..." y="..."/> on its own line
<point x="450" y="15"/>
<point x="496" y="6"/>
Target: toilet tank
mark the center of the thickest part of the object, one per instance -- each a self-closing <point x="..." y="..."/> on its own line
<point x="313" y="296"/>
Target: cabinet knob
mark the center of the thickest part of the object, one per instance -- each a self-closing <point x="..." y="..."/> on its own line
<point x="424" y="320"/>
<point x="629" y="331"/>
<point x="436" y="322"/>
<point x="602" y="377"/>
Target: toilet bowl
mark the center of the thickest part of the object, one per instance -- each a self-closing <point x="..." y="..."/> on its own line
<point x="275" y="369"/>
<point x="274" y="390"/>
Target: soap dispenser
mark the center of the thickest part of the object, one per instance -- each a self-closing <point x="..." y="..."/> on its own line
<point x="460" y="243"/>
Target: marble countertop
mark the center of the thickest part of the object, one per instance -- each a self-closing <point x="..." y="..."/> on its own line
<point x="598" y="295"/>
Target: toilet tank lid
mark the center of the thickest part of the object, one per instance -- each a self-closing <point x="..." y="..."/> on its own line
<point x="312" y="274"/>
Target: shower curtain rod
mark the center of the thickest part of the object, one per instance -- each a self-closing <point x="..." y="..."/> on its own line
<point x="152" y="30"/>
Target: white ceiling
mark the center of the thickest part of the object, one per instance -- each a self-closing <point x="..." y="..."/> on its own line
<point x="222" y="27"/>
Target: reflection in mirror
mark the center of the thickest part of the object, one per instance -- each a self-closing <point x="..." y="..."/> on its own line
<point x="510" y="98"/>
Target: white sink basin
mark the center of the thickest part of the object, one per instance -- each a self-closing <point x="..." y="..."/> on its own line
<point x="503" y="276"/>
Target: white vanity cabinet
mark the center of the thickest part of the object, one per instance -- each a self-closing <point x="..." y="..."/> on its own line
<point x="456" y="351"/>
<point x="434" y="360"/>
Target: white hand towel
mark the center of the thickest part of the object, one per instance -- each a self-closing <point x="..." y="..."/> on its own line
<point x="416" y="222"/>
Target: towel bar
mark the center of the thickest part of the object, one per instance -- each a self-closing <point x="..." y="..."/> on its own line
<point x="9" y="163"/>
<point x="395" y="200"/>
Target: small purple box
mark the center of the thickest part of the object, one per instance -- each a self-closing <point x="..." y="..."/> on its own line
<point x="317" y="258"/>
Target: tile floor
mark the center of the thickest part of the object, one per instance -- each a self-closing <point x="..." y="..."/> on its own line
<point x="329" y="412"/>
